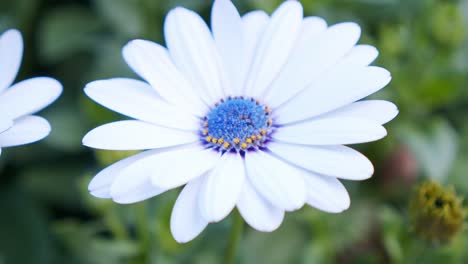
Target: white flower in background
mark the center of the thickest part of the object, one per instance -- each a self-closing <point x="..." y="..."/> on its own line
<point x="19" y="101"/>
<point x="252" y="115"/>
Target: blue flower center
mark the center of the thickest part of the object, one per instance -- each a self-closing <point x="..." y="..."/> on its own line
<point x="237" y="123"/>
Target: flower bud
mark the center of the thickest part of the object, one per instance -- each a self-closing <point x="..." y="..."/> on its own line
<point x="437" y="214"/>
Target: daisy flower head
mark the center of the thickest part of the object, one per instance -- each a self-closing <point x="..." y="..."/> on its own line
<point x="18" y="102"/>
<point x="253" y="114"/>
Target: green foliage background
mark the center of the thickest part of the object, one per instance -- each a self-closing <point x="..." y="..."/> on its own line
<point x="47" y="216"/>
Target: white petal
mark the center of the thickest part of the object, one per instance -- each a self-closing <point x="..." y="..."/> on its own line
<point x="338" y="88"/>
<point x="326" y="193"/>
<point x="186" y="220"/>
<point x="133" y="194"/>
<point x="130" y="188"/>
<point x="173" y="168"/>
<point x="254" y="25"/>
<point x="101" y="183"/>
<point x="136" y="135"/>
<point x="278" y="182"/>
<point x="360" y="55"/>
<point x="152" y="62"/>
<point x="29" y="96"/>
<point x="194" y="52"/>
<point x="330" y="131"/>
<point x="303" y="65"/>
<point x="317" y="52"/>
<point x="5" y="123"/>
<point x="377" y="111"/>
<point x="227" y="28"/>
<point x="11" y="51"/>
<point x="338" y="161"/>
<point x="25" y="130"/>
<point x="275" y="47"/>
<point x="258" y="212"/>
<point x="221" y="187"/>
<point x="138" y="100"/>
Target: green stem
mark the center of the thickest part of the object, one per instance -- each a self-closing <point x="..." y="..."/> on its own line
<point x="116" y="226"/>
<point x="142" y="227"/>
<point x="234" y="239"/>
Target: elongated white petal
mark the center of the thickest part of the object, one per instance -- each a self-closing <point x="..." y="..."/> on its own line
<point x="378" y="111"/>
<point x="326" y="193"/>
<point x="297" y="72"/>
<point x="337" y="161"/>
<point x="360" y="55"/>
<point x="5" y="123"/>
<point x="331" y="131"/>
<point x="221" y="187"/>
<point x="29" y="96"/>
<point x="186" y="220"/>
<point x="133" y="188"/>
<point x="101" y="183"/>
<point x="25" y="130"/>
<point x="11" y="52"/>
<point x="136" y="135"/>
<point x="257" y="211"/>
<point x="175" y="168"/>
<point x="194" y="52"/>
<point x="278" y="182"/>
<point x="338" y="88"/>
<point x="227" y="28"/>
<point x="138" y="100"/>
<point x="254" y="25"/>
<point x="317" y="51"/>
<point x="138" y="193"/>
<point x="152" y="62"/>
<point x="275" y="47"/>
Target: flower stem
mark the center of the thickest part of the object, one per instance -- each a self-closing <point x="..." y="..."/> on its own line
<point x="142" y="227"/>
<point x="115" y="225"/>
<point x="234" y="238"/>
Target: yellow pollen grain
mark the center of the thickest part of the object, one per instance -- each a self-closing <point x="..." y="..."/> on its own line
<point x="243" y="145"/>
<point x="214" y="140"/>
<point x="248" y="141"/>
<point x="269" y="121"/>
<point x="263" y="132"/>
<point x="236" y="141"/>
<point x="205" y="124"/>
<point x="259" y="137"/>
<point x="220" y="141"/>
<point x="205" y="132"/>
<point x="208" y="138"/>
<point x="267" y="110"/>
<point x="226" y="145"/>
<point x="253" y="137"/>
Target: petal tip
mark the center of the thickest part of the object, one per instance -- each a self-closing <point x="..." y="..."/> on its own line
<point x="13" y="35"/>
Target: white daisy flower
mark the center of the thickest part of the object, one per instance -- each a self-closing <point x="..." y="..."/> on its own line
<point x="19" y="101"/>
<point x="253" y="115"/>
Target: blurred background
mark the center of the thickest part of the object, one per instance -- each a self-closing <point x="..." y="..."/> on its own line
<point x="47" y="215"/>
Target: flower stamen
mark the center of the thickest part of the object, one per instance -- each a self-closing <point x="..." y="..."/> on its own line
<point x="237" y="123"/>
